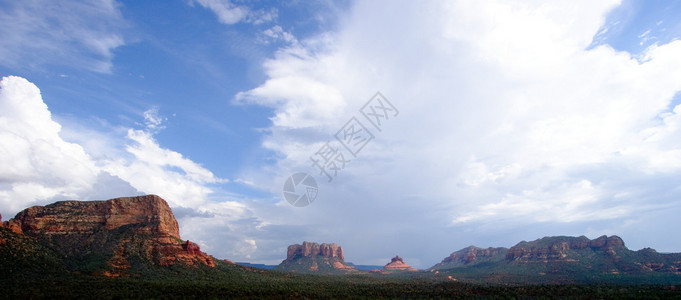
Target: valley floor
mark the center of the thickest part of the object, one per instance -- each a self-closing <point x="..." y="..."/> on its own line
<point x="251" y="284"/>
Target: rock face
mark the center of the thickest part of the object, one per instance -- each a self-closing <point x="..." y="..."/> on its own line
<point x="313" y="249"/>
<point x="397" y="264"/>
<point x="562" y="256"/>
<point x="315" y="258"/>
<point x="610" y="245"/>
<point x="114" y="233"/>
<point x="471" y="255"/>
<point x="557" y="248"/>
<point x="151" y="212"/>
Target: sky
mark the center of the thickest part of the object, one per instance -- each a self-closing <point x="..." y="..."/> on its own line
<point x="466" y="122"/>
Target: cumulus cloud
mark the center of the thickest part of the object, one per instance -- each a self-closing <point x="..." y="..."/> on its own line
<point x="38" y="165"/>
<point x="156" y="170"/>
<point x="72" y="33"/>
<point x="507" y="116"/>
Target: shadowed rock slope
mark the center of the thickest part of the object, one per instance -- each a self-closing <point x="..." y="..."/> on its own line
<point x="568" y="257"/>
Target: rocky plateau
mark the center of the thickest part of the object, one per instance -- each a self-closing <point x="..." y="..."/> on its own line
<point x="119" y="232"/>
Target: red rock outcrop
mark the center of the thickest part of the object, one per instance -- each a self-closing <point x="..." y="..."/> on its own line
<point x="313" y="249"/>
<point x="12" y="225"/>
<point x="192" y="253"/>
<point x="610" y="245"/>
<point x="87" y="216"/>
<point x="473" y="254"/>
<point x="95" y="224"/>
<point x="557" y="248"/>
<point x="315" y="258"/>
<point x="191" y="248"/>
<point x="397" y="264"/>
<point x="550" y="252"/>
<point x="340" y="265"/>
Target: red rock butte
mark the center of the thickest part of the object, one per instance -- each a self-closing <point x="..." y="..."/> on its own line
<point x="313" y="257"/>
<point x="149" y="217"/>
<point x="313" y="249"/>
<point x="397" y="264"/>
<point x="62" y="217"/>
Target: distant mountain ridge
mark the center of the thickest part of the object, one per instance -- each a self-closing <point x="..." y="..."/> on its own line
<point x="563" y="256"/>
<point x="130" y="236"/>
<point x="258" y="266"/>
<point x="365" y="267"/>
<point x="471" y="255"/>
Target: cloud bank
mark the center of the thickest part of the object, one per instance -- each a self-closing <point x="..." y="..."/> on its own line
<point x="508" y="120"/>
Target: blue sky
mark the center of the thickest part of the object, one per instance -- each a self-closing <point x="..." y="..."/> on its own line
<point x="516" y="119"/>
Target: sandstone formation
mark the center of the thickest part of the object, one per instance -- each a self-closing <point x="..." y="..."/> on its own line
<point x="558" y="248"/>
<point x="315" y="258"/>
<point x="119" y="230"/>
<point x="151" y="212"/>
<point x="397" y="264"/>
<point x="470" y="255"/>
<point x="550" y="255"/>
<point x="313" y="249"/>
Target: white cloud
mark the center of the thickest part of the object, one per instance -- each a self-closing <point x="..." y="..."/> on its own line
<point x="567" y="202"/>
<point x="38" y="165"/>
<point x="230" y="13"/>
<point x="160" y="171"/>
<point x="153" y="121"/>
<point x="509" y="129"/>
<point x="230" y="224"/>
<point x="504" y="115"/>
<point x="277" y="33"/>
<point x="297" y="89"/>
<point x="73" y="33"/>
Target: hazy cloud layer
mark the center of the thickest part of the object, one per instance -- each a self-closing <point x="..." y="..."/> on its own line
<point x="230" y="13"/>
<point x="74" y="33"/>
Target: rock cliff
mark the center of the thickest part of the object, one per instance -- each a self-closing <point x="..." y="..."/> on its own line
<point x="562" y="255"/>
<point x="315" y="258"/>
<point x="471" y="255"/>
<point x="112" y="234"/>
<point x="313" y="249"/>
<point x="150" y="212"/>
<point x="557" y="248"/>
